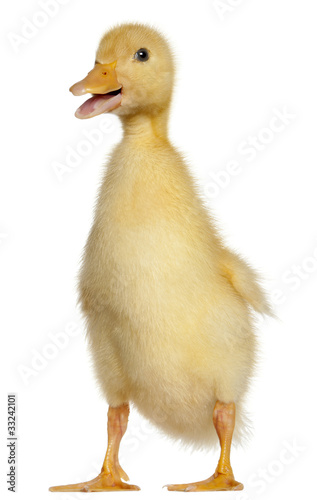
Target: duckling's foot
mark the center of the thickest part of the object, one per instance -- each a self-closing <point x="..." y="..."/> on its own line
<point x="223" y="479"/>
<point x="217" y="482"/>
<point x="103" y="482"/>
<point x="111" y="475"/>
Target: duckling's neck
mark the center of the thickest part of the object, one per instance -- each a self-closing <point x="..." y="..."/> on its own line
<point x="144" y="125"/>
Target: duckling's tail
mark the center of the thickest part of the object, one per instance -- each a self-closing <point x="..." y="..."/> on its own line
<point x="245" y="281"/>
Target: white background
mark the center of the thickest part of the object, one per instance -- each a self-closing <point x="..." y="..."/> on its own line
<point x="238" y="62"/>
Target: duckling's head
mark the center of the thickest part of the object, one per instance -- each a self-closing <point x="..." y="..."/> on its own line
<point x="133" y="74"/>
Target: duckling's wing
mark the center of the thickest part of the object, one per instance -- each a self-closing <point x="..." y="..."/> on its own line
<point x="245" y="281"/>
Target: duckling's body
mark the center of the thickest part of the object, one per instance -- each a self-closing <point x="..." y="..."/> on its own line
<point x="167" y="305"/>
<point x="167" y="329"/>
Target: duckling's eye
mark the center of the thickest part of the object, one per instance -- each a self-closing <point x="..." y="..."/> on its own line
<point x="142" y="55"/>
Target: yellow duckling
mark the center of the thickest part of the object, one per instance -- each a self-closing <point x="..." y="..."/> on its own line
<point x="167" y="305"/>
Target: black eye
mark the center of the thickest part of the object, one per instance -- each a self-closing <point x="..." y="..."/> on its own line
<point x="142" y="55"/>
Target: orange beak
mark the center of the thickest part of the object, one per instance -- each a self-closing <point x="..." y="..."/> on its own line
<point x="103" y="83"/>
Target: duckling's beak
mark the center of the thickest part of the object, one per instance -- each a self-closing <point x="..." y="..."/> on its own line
<point x="102" y="82"/>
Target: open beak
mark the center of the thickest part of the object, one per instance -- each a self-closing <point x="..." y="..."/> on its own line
<point x="102" y="82"/>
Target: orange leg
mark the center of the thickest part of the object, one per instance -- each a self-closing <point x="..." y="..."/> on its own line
<point x="223" y="478"/>
<point x="111" y="475"/>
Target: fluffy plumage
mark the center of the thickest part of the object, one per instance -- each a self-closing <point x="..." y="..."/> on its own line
<point x="167" y="305"/>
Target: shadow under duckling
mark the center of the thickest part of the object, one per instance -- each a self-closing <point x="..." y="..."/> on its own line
<point x="167" y="305"/>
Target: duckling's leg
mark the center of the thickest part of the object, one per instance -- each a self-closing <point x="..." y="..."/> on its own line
<point x="223" y="478"/>
<point x="111" y="473"/>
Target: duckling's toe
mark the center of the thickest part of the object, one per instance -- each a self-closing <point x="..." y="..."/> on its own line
<point x="217" y="482"/>
<point x="103" y="482"/>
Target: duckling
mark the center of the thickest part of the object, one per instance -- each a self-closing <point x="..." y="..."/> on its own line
<point x="166" y="303"/>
